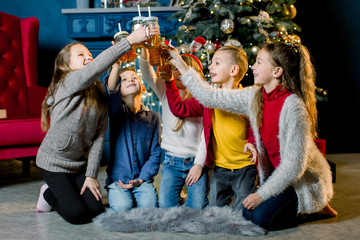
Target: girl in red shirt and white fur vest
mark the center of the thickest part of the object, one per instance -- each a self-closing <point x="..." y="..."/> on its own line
<point x="295" y="177"/>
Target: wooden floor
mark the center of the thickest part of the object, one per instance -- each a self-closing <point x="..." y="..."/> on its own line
<point x="18" y="219"/>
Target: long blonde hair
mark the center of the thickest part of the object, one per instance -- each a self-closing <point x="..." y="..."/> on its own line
<point x="94" y="95"/>
<point x="298" y="77"/>
<point x="191" y="62"/>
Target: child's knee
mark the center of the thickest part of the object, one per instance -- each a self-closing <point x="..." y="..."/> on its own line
<point x="79" y="215"/>
<point x="148" y="197"/>
<point x="257" y="217"/>
<point x="121" y="206"/>
<point x="149" y="202"/>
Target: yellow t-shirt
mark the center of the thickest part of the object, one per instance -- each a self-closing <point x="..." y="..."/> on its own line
<point x="229" y="138"/>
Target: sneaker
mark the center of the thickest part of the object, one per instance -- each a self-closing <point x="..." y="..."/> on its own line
<point x="42" y="205"/>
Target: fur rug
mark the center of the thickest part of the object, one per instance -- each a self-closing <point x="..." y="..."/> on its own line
<point x="179" y="219"/>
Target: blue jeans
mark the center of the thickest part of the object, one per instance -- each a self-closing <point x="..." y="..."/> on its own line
<point x="226" y="183"/>
<point x="275" y="213"/>
<point x="174" y="173"/>
<point x="121" y="200"/>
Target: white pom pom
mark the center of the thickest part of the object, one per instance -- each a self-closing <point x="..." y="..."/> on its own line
<point x="50" y="101"/>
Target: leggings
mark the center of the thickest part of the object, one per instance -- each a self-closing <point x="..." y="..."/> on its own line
<point x="64" y="196"/>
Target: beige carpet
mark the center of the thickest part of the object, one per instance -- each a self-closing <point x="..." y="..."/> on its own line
<point x="18" y="219"/>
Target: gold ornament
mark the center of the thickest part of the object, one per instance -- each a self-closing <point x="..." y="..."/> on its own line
<point x="209" y="47"/>
<point x="262" y="18"/>
<point x="289" y="11"/>
<point x="255" y="50"/>
<point x="227" y="26"/>
<point x="292" y="39"/>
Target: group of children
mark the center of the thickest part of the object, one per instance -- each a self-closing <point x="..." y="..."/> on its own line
<point x="264" y="133"/>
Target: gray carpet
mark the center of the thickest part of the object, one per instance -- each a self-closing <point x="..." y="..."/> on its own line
<point x="179" y="219"/>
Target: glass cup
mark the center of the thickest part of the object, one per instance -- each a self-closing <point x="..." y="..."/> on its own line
<point x="138" y="23"/>
<point x="158" y="55"/>
<point x="129" y="56"/>
<point x="154" y="41"/>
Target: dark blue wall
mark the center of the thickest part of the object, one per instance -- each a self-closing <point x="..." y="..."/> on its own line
<point x="330" y="30"/>
<point x="52" y="33"/>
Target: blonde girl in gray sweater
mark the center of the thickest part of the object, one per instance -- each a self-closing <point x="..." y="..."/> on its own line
<point x="70" y="154"/>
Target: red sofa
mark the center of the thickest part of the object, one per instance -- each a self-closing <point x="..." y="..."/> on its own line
<point x="20" y="95"/>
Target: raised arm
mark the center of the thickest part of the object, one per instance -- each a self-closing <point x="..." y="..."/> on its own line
<point x="149" y="75"/>
<point x="182" y="109"/>
<point x="114" y="79"/>
<point x="81" y="79"/>
<point x="237" y="101"/>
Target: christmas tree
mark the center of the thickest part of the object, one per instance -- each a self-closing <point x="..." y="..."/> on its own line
<point x="242" y="23"/>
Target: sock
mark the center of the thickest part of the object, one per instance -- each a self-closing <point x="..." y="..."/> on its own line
<point x="328" y="211"/>
<point x="42" y="205"/>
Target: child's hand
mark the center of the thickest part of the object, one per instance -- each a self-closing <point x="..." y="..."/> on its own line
<point x="194" y="174"/>
<point x="131" y="184"/>
<point x="176" y="60"/>
<point x="136" y="182"/>
<point x="252" y="201"/>
<point x="142" y="34"/>
<point x="93" y="185"/>
<point x="166" y="72"/>
<point x="250" y="147"/>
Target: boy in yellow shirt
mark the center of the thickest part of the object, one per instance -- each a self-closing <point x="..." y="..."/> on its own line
<point x="234" y="173"/>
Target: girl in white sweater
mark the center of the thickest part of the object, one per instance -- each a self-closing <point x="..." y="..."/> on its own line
<point x="294" y="176"/>
<point x="183" y="142"/>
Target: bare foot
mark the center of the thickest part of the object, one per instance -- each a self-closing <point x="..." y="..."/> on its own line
<point x="329" y="211"/>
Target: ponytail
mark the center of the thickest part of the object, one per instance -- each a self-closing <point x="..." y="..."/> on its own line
<point x="307" y="89"/>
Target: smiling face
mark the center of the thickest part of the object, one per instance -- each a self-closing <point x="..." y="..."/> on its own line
<point x="79" y="57"/>
<point x="130" y="84"/>
<point x="264" y="71"/>
<point x="221" y="68"/>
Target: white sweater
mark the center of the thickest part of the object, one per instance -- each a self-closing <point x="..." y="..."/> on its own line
<point x="302" y="165"/>
<point x="182" y="143"/>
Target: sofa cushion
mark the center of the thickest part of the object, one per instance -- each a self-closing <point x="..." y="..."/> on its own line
<point x="13" y="96"/>
<point x="20" y="132"/>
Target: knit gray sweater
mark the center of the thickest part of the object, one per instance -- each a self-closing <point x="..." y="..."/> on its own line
<point x="75" y="139"/>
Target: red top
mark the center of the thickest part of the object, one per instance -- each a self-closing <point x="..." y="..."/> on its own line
<point x="269" y="131"/>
